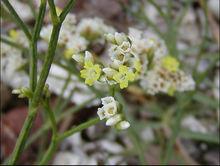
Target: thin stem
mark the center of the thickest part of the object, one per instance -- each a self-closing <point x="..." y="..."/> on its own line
<point x="158" y="9"/>
<point x="54" y="141"/>
<point x="23" y="136"/>
<point x="145" y="18"/>
<point x="112" y="90"/>
<point x="63" y="104"/>
<point x="38" y="91"/>
<point x="52" y="148"/>
<point x="78" y="128"/>
<point x="33" y="59"/>
<point x="6" y="40"/>
<point x="66" y="10"/>
<point x="176" y="127"/>
<point x="182" y="14"/>
<point x="53" y="13"/>
<point x="17" y="19"/>
<point x="51" y="116"/>
<point x="46" y="126"/>
<point x="32" y="7"/>
<point x="57" y="139"/>
<point x="131" y="131"/>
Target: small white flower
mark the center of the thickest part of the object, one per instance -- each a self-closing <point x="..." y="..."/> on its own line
<point x="125" y="47"/>
<point x="110" y="37"/>
<point x="123" y="125"/>
<point x="113" y="120"/>
<point x="110" y="109"/>
<point x="107" y="100"/>
<point x="119" y="38"/>
<point x="76" y="42"/>
<point x="101" y="113"/>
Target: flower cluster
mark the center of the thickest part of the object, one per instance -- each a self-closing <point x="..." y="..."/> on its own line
<point x="148" y="46"/>
<point x="109" y="111"/>
<point x="166" y="77"/>
<point x="124" y="67"/>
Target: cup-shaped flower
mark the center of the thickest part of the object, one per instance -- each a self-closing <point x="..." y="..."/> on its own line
<point x="125" y="47"/>
<point x="124" y="76"/>
<point x="110" y="109"/>
<point x="91" y="72"/>
<point x="170" y="63"/>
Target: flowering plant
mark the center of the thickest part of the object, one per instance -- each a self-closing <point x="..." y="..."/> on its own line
<point x="88" y="59"/>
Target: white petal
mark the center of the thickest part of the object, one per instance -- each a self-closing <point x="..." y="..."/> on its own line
<point x="101" y="114"/>
<point x="109" y="71"/>
<point x="88" y="56"/>
<point x="113" y="120"/>
<point x="78" y="58"/>
<point x="107" y="100"/>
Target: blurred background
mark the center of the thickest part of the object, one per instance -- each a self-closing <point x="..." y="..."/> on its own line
<point x="183" y="127"/>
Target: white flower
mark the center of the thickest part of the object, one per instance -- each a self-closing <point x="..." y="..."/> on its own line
<point x="160" y="80"/>
<point x="110" y="113"/>
<point x="107" y="100"/>
<point x="123" y="125"/>
<point x="101" y="113"/>
<point x="113" y="120"/>
<point x="110" y="109"/>
<point x="125" y="47"/>
<point x="120" y="38"/>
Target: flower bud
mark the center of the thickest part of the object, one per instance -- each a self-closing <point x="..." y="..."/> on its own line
<point x="123" y="125"/>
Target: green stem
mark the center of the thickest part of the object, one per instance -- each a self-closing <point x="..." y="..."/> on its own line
<point x="52" y="148"/>
<point x="183" y="102"/>
<point x="23" y="136"/>
<point x="66" y="10"/>
<point x="159" y="9"/>
<point x="54" y="141"/>
<point x="65" y="102"/>
<point x="33" y="59"/>
<point x="54" y="17"/>
<point x="38" y="91"/>
<point x="6" y="40"/>
<point x="112" y="90"/>
<point x="131" y="131"/>
<point x="32" y="7"/>
<point x="51" y="116"/>
<point x="57" y="139"/>
<point x="46" y="126"/>
<point x="78" y="128"/>
<point x="17" y="19"/>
